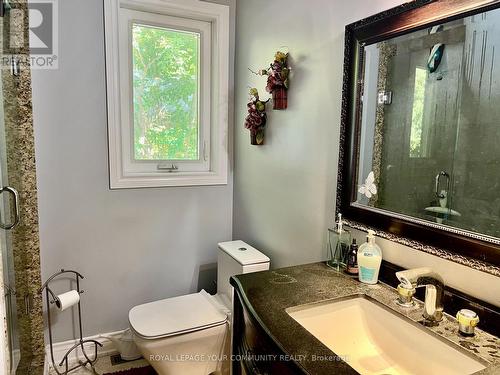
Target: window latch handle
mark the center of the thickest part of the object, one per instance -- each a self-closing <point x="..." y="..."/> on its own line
<point x="205" y="151"/>
<point x="167" y="168"/>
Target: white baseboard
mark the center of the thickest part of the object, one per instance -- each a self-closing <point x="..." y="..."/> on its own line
<point x="61" y="348"/>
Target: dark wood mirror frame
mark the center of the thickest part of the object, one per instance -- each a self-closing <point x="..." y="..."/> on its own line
<point x="412" y="16"/>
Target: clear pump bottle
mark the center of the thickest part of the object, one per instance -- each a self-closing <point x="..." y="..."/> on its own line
<point x="339" y="240"/>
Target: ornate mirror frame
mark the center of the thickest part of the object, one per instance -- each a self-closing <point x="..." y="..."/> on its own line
<point x="472" y="249"/>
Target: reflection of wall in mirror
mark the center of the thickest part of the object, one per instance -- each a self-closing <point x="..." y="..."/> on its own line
<point x="369" y="109"/>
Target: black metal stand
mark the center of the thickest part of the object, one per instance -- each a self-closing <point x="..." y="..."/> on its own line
<point x="51" y="298"/>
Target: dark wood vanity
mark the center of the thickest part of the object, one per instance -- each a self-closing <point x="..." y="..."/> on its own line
<point x="254" y="350"/>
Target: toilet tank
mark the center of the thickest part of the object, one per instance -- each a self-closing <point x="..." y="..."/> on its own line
<point x="235" y="258"/>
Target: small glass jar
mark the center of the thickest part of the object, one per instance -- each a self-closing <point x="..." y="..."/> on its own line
<point x="339" y="240"/>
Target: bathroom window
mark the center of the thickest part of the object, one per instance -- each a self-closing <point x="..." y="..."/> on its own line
<point x="167" y="77"/>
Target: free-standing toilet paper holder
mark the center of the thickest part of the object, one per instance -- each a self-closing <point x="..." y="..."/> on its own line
<point x="51" y="298"/>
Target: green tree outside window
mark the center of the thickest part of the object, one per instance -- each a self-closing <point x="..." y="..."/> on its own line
<point x="165" y="93"/>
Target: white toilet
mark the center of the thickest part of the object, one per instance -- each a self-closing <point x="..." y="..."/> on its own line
<point x="191" y="334"/>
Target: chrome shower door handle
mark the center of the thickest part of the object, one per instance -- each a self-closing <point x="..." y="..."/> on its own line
<point x="438" y="180"/>
<point x="15" y="195"/>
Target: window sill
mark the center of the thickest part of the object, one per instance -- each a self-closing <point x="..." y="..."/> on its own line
<point x="168" y="180"/>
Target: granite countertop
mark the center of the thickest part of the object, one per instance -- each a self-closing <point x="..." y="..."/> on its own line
<point x="269" y="293"/>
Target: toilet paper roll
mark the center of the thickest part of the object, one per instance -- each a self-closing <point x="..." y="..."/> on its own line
<point x="68" y="299"/>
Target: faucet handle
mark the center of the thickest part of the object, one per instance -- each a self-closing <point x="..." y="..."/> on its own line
<point x="405" y="296"/>
<point x="408" y="278"/>
<point x="467" y="321"/>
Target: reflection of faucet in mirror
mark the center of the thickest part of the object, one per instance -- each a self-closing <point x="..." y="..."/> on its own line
<point x="443" y="194"/>
<point x="442" y="211"/>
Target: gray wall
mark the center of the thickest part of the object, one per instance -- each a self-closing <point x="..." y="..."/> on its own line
<point x="132" y="246"/>
<point x="285" y="190"/>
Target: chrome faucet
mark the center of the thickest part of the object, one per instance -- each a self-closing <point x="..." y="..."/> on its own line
<point x="434" y="293"/>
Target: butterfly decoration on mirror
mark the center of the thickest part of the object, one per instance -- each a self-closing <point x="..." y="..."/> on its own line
<point x="368" y="189"/>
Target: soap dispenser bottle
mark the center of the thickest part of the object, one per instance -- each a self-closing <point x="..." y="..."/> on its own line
<point x="369" y="260"/>
<point x="339" y="240"/>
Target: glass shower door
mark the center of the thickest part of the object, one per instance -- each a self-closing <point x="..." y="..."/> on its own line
<point x="477" y="159"/>
<point x="419" y="129"/>
<point x="9" y="218"/>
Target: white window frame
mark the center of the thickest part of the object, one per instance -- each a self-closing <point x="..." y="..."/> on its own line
<point x="127" y="19"/>
<point x="211" y="21"/>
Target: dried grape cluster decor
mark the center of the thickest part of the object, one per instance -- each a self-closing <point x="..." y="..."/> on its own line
<point x="256" y="118"/>
<point x="278" y="79"/>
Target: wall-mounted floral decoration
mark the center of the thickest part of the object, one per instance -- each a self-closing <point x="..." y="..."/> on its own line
<point x="256" y="118"/>
<point x="278" y="76"/>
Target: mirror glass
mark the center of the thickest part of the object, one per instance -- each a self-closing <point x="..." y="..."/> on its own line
<point x="429" y="125"/>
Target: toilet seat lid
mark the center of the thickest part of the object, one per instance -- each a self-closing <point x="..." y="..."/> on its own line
<point x="177" y="315"/>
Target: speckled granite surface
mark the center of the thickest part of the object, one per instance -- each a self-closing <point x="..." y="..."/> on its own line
<point x="269" y="293"/>
<point x="21" y="168"/>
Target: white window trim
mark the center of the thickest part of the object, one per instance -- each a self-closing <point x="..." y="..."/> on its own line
<point x="218" y="16"/>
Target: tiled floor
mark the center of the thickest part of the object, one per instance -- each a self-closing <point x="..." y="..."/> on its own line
<point x="104" y="366"/>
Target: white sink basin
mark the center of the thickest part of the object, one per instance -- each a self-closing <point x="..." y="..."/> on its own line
<point x="375" y="340"/>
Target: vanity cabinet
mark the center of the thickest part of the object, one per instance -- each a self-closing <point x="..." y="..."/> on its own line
<point x="254" y="351"/>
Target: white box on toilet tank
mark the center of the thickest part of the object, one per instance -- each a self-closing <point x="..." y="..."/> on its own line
<point x="236" y="258"/>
